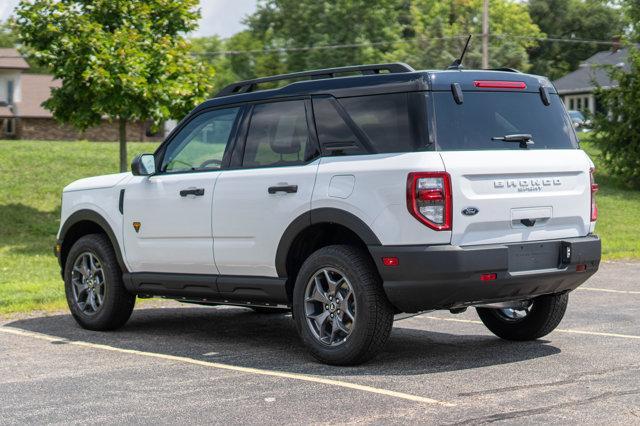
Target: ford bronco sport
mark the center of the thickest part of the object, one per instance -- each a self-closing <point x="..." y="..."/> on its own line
<point x="349" y="195"/>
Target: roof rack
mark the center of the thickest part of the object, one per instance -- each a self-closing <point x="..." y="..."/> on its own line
<point x="251" y="85"/>
<point x="507" y="69"/>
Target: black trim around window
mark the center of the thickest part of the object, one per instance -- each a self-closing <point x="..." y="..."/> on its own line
<point x="162" y="149"/>
<point x="241" y="139"/>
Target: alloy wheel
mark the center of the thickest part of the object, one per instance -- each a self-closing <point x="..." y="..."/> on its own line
<point x="330" y="306"/>
<point x="88" y="283"/>
<point x="514" y="314"/>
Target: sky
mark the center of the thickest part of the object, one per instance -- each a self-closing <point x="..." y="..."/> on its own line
<point x="221" y="17"/>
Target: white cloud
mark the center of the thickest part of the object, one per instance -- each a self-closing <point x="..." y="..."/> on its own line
<point x="221" y="17"/>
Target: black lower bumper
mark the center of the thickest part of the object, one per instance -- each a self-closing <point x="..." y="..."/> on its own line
<point x="445" y="276"/>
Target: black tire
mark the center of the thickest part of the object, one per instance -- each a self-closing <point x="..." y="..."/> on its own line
<point x="117" y="303"/>
<point x="544" y="315"/>
<point x="373" y="316"/>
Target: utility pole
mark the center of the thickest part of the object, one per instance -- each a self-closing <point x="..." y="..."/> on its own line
<point x="485" y="34"/>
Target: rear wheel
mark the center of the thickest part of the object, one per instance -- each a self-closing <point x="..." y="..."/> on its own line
<point x="95" y="292"/>
<point x="340" y="309"/>
<point x="539" y="318"/>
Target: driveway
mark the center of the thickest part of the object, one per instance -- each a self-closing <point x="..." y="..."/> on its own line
<point x="177" y="363"/>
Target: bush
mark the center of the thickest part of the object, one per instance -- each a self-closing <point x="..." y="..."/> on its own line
<point x="617" y="127"/>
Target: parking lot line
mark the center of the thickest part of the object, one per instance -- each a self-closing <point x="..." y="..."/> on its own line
<point x="249" y="370"/>
<point x="559" y="330"/>
<point x="606" y="290"/>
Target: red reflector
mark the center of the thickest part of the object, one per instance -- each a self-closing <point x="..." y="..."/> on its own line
<point x="581" y="267"/>
<point x="495" y="84"/>
<point x="430" y="195"/>
<point x="390" y="261"/>
<point x="594" y="190"/>
<point x="488" y="277"/>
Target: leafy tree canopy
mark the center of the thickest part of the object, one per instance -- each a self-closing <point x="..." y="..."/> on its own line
<point x="7" y="37"/>
<point x="616" y="128"/>
<point x="438" y="32"/>
<point x="579" y="19"/>
<point x="125" y="59"/>
<point x="302" y="23"/>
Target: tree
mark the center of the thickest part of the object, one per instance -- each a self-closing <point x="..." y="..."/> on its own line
<point x="439" y="30"/>
<point x="124" y="59"/>
<point x="7" y="37"/>
<point x="616" y="129"/>
<point x="361" y="31"/>
<point x="579" y="19"/>
<point x="631" y="9"/>
<point x="424" y="33"/>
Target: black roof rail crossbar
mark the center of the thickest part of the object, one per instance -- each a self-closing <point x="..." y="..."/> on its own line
<point x="250" y="85"/>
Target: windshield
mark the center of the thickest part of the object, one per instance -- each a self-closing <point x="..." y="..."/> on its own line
<point x="484" y="117"/>
<point x="576" y="115"/>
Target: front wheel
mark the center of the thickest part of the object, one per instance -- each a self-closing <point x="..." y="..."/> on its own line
<point x="340" y="309"/>
<point x="539" y="318"/>
<point x="93" y="284"/>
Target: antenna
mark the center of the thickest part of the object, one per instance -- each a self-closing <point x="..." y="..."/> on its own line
<point x="457" y="64"/>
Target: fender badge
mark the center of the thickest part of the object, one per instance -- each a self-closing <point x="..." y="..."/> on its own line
<point x="470" y="211"/>
<point x="136" y="226"/>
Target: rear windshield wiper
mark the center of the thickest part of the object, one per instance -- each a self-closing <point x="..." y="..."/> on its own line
<point x="524" y="139"/>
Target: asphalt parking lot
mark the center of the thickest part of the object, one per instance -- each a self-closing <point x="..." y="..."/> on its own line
<point x="177" y="364"/>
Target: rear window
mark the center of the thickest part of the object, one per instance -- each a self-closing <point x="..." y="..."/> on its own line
<point x="484" y="115"/>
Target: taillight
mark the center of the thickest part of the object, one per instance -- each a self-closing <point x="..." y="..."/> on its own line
<point x="429" y="199"/>
<point x="497" y="84"/>
<point x="594" y="189"/>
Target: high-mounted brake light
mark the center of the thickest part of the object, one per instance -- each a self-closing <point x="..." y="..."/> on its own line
<point x="497" y="84"/>
<point x="429" y="199"/>
<point x="594" y="190"/>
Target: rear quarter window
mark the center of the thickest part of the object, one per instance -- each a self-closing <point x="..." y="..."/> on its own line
<point x="483" y="115"/>
<point x="386" y="123"/>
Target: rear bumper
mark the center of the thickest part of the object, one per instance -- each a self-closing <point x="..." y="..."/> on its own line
<point x="445" y="276"/>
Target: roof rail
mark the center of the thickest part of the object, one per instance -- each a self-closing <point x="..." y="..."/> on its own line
<point x="507" y="69"/>
<point x="251" y="85"/>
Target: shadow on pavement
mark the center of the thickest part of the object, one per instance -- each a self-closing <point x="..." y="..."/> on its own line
<point x="242" y="337"/>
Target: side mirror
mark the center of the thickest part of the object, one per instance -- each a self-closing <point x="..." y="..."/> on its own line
<point x="143" y="165"/>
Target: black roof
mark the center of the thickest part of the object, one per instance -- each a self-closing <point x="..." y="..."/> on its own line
<point x="369" y="84"/>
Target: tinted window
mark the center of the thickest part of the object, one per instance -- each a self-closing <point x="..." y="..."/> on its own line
<point x="392" y="123"/>
<point x="334" y="133"/>
<point x="202" y="143"/>
<point x="278" y="135"/>
<point x="483" y="115"/>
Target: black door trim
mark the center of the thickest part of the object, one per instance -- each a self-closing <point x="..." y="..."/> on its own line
<point x="226" y="288"/>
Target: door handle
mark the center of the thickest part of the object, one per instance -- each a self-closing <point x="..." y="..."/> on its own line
<point x="289" y="189"/>
<point x="198" y="192"/>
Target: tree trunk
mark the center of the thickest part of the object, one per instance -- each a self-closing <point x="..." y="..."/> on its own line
<point x="123" y="144"/>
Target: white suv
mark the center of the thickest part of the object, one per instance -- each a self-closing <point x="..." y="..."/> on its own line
<point x="348" y="200"/>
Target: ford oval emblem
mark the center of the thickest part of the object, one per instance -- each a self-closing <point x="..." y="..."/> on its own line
<point x="470" y="211"/>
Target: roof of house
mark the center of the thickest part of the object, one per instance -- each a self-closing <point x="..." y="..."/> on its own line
<point x="10" y="58"/>
<point x="591" y="72"/>
<point x="36" y="88"/>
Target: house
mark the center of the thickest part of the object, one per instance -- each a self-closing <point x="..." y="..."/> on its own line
<point x="22" y="115"/>
<point x="577" y="88"/>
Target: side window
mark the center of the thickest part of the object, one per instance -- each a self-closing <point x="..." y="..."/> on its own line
<point x="278" y="135"/>
<point x="202" y="143"/>
<point x="334" y="133"/>
<point x="392" y="122"/>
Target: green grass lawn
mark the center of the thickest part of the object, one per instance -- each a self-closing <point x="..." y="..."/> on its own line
<point x="617" y="207"/>
<point x="32" y="175"/>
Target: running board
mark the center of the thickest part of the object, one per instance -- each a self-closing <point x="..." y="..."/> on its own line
<point x="199" y="287"/>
